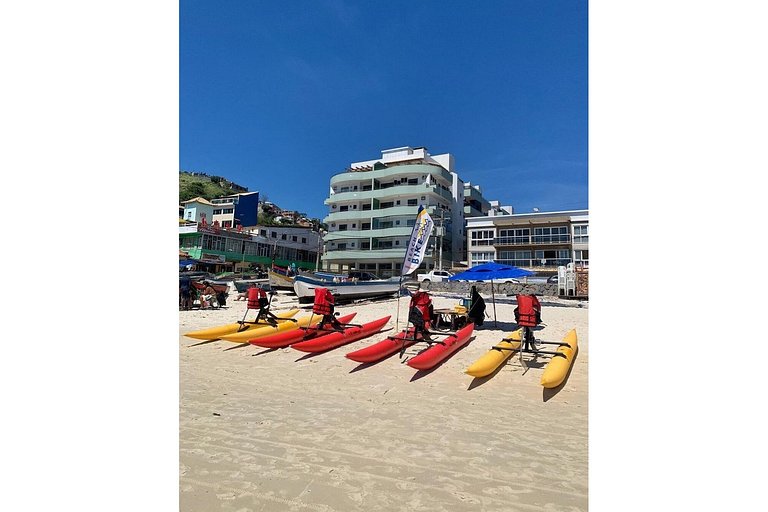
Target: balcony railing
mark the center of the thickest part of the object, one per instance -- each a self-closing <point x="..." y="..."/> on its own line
<point x="532" y="240"/>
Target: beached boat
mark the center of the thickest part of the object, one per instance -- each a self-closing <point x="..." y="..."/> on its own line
<point x="558" y="366"/>
<point x="345" y="288"/>
<point x="280" y="278"/>
<point x="217" y="332"/>
<point x="338" y="339"/>
<point x="495" y="357"/>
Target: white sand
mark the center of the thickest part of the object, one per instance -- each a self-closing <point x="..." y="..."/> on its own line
<point x="283" y="430"/>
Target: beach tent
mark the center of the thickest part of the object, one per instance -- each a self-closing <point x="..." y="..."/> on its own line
<point x="488" y="272"/>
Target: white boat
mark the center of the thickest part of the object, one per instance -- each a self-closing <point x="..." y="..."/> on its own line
<point x="347" y="288"/>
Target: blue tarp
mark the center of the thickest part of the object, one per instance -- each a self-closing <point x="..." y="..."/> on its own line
<point x="184" y="263"/>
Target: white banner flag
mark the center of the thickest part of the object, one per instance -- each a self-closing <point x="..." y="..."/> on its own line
<point x="417" y="246"/>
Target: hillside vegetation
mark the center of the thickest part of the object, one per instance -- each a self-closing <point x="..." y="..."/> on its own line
<point x="208" y="187"/>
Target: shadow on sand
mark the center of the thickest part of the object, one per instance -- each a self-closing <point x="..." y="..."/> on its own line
<point x="265" y="351"/>
<point x="205" y="342"/>
<point x="241" y="345"/>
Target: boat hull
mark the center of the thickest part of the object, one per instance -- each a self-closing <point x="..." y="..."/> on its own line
<point x="280" y="281"/>
<point x="215" y="333"/>
<point x="494" y="357"/>
<point x="439" y="352"/>
<point x="384" y="348"/>
<point x="338" y="339"/>
<point x="557" y="368"/>
<point x="304" y="287"/>
<point x="246" y="336"/>
<point x="283" y="339"/>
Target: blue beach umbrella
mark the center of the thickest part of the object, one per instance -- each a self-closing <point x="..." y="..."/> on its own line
<point x="488" y="272"/>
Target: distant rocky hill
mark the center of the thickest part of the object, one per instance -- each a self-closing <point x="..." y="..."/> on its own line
<point x="198" y="184"/>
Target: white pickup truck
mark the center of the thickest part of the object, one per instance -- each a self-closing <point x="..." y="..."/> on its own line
<point x="434" y="275"/>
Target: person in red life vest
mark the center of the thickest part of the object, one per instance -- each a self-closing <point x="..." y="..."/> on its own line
<point x="325" y="305"/>
<point x="421" y="312"/>
<point x="528" y="315"/>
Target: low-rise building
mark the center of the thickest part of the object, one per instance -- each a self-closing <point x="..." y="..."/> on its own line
<point x="538" y="240"/>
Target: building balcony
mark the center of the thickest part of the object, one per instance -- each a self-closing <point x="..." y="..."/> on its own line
<point x="368" y="255"/>
<point x="350" y="234"/>
<point x="532" y="240"/>
<point x="392" y="193"/>
<point x="394" y="171"/>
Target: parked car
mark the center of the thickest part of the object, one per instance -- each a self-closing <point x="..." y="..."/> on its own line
<point x="552" y="279"/>
<point x="434" y="275"/>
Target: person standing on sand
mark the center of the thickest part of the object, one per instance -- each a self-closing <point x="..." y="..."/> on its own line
<point x="185" y="293"/>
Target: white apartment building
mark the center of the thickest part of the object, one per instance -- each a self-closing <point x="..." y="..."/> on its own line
<point x="373" y="206"/>
<point x="540" y="240"/>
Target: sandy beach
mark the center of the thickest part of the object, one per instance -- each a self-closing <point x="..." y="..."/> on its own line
<point x="266" y="430"/>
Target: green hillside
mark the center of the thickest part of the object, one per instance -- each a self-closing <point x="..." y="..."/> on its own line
<point x="208" y="187"/>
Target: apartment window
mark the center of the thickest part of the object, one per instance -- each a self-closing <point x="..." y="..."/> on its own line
<point x="365" y="245"/>
<point x="397" y="223"/>
<point x="413" y="202"/>
<point x="226" y="224"/>
<point x="515" y="236"/>
<point x="342" y="246"/>
<point x="581" y="256"/>
<point x="481" y="237"/>
<point x="343" y="208"/>
<point x="354" y="226"/>
<point x="303" y="240"/>
<point x="228" y="210"/>
<point x="550" y="235"/>
<point x="354" y="207"/>
<point x="581" y="234"/>
<point x="366" y="207"/>
<point x="481" y="257"/>
<point x="217" y="211"/>
<point x="397" y="203"/>
<point x="413" y="181"/>
<point x="365" y="225"/>
<point x="342" y="227"/>
<point x="283" y="237"/>
<point x="517" y="258"/>
<point x="274" y="234"/>
<point x="295" y="238"/>
<point x="189" y="215"/>
<point x="410" y="223"/>
<point x="389" y="204"/>
<point x="397" y="242"/>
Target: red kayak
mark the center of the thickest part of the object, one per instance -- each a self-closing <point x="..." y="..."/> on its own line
<point x="336" y="339"/>
<point x="384" y="348"/>
<point x="285" y="338"/>
<point x="439" y="351"/>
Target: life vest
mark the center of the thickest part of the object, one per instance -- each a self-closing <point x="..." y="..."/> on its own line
<point x="528" y="311"/>
<point x="324" y="302"/>
<point x="257" y="298"/>
<point x="421" y="303"/>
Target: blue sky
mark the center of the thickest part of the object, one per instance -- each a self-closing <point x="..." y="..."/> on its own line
<point x="279" y="96"/>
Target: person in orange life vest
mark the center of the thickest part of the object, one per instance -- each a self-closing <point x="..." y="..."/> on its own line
<point x="528" y="315"/>
<point x="325" y="304"/>
<point x="421" y="312"/>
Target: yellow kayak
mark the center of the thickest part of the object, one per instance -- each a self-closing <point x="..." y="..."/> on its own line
<point x="215" y="333"/>
<point x="494" y="357"/>
<point x="258" y="332"/>
<point x="557" y="368"/>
